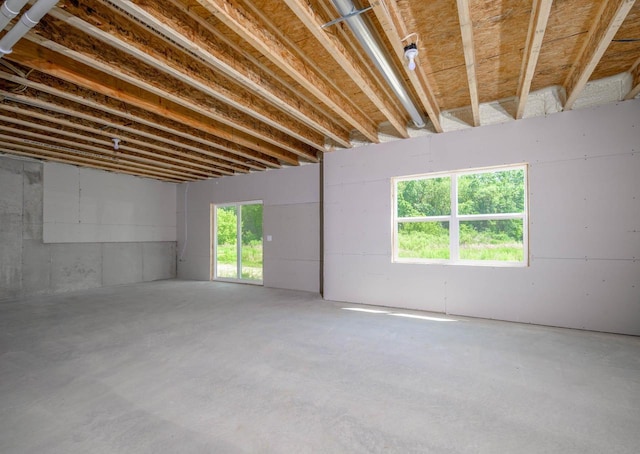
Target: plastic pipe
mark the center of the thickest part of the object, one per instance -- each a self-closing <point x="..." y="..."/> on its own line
<point x="28" y="20"/>
<point x="9" y="10"/>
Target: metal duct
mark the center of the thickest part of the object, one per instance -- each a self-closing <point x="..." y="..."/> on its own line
<point x="378" y="56"/>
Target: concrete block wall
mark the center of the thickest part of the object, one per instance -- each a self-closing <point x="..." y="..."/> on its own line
<point x="584" y="222"/>
<point x="28" y="266"/>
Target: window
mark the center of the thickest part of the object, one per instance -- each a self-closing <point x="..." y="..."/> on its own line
<point x="476" y="217"/>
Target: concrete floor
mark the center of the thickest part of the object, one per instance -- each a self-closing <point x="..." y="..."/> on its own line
<point x="199" y="367"/>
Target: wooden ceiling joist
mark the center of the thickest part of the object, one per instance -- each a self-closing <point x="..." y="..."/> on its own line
<point x="281" y="146"/>
<point x="231" y="157"/>
<point x="395" y="29"/>
<point x="222" y="60"/>
<point x="244" y="24"/>
<point x="540" y="11"/>
<point x="47" y="61"/>
<point x="337" y="50"/>
<point x="191" y="158"/>
<point x="56" y="142"/>
<point x="246" y="102"/>
<point x="177" y="163"/>
<point x="609" y="20"/>
<point x="313" y="78"/>
<point x="78" y="161"/>
<point x="84" y="158"/>
<point x="466" y="30"/>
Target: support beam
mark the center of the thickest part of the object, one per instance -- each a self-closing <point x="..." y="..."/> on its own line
<point x="466" y="30"/>
<point x="44" y="55"/>
<point x="234" y="154"/>
<point x="190" y="158"/>
<point x="243" y="23"/>
<point x="133" y="161"/>
<point x="540" y="10"/>
<point x="245" y="103"/>
<point x="107" y="145"/>
<point x="608" y="21"/>
<point x="395" y="29"/>
<point x="82" y="159"/>
<point x="337" y="50"/>
<point x="78" y="161"/>
<point x="221" y="58"/>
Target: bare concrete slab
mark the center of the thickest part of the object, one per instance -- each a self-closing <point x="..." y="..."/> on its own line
<point x="201" y="367"/>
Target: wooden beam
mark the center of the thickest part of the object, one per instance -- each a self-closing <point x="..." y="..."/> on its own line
<point x="540" y="10"/>
<point x="133" y="161"/>
<point x="86" y="159"/>
<point x="281" y="145"/>
<point x="246" y="103"/>
<point x="76" y="161"/>
<point x="234" y="160"/>
<point x="46" y="60"/>
<point x="608" y="21"/>
<point x="222" y="58"/>
<point x="635" y="84"/>
<point x="177" y="163"/>
<point x="243" y="23"/>
<point x="337" y="50"/>
<point x="194" y="159"/>
<point x="466" y="30"/>
<point x="395" y="29"/>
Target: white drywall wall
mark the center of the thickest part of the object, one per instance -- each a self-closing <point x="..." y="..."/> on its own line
<point x="291" y="216"/>
<point x="85" y="205"/>
<point x="584" y="194"/>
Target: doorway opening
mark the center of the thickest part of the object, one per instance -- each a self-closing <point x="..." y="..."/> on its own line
<point x="236" y="240"/>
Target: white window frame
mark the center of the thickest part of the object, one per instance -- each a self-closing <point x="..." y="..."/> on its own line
<point x="454" y="218"/>
<point x="214" y="243"/>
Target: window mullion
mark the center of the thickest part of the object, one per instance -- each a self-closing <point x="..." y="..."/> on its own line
<point x="454" y="228"/>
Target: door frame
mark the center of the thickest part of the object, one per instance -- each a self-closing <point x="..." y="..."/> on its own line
<point x="214" y="242"/>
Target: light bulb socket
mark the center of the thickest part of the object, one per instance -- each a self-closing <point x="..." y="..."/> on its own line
<point x="410" y="53"/>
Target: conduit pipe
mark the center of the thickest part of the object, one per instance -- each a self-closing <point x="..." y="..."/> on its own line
<point x="9" y="10"/>
<point x="28" y="20"/>
<point x="379" y="58"/>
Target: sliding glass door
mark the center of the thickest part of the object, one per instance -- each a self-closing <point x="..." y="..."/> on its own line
<point x="237" y="242"/>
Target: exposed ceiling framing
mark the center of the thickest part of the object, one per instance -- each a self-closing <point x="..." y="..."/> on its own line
<point x="198" y="89"/>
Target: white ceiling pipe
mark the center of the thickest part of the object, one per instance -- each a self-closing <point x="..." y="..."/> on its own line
<point x="375" y="52"/>
<point x="26" y="23"/>
<point x="9" y="10"/>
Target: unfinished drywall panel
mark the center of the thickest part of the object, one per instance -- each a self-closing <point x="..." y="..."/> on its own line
<point x="291" y="217"/>
<point x="87" y="205"/>
<point x="584" y="206"/>
<point x="594" y="214"/>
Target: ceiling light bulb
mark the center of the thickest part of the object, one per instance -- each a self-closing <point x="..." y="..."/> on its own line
<point x="411" y="52"/>
<point x="412" y="63"/>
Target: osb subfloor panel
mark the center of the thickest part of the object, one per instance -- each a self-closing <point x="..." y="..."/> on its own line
<point x="194" y="367"/>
